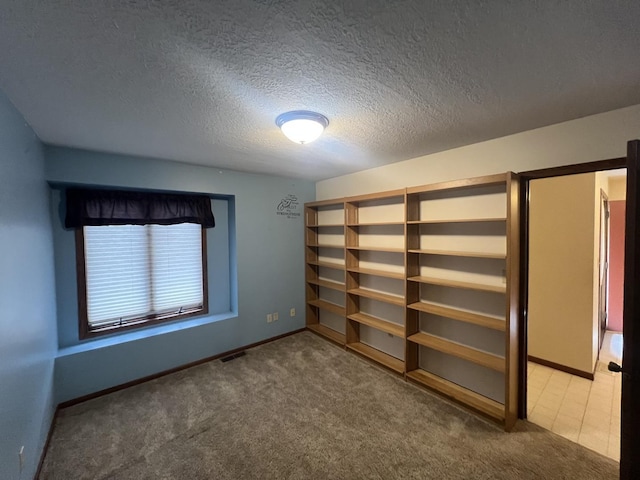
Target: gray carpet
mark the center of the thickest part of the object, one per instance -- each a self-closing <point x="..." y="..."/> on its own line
<point x="299" y="408"/>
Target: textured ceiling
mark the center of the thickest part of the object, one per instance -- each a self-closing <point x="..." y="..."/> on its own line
<point x="202" y="81"/>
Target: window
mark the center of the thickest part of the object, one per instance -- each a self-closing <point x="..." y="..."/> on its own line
<point x="133" y="275"/>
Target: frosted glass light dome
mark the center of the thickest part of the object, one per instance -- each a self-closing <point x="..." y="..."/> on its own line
<point x="301" y="126"/>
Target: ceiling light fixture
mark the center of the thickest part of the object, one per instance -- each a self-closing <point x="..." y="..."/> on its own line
<point x="301" y="126"/>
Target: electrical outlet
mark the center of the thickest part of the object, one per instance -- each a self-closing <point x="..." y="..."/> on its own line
<point x="21" y="457"/>
<point x="276" y="317"/>
<point x="269" y="317"/>
<point x="292" y="312"/>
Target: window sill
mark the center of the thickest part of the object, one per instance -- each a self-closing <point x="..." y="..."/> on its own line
<point x="133" y="335"/>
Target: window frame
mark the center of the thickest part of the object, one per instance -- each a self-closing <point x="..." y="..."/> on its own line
<point x="85" y="332"/>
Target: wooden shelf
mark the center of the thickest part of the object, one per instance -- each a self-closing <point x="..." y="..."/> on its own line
<point x="377" y="273"/>
<point x="378" y="324"/>
<point x="328" y="225"/>
<point x="324" y="245"/>
<point x="378" y="249"/>
<point x="374" y="224"/>
<point x="382" y="358"/>
<point x="327" y="332"/>
<point x="470" y="354"/>
<point x="335" y="202"/>
<point x="463" y="395"/>
<point x="336" y="266"/>
<point x="328" y="306"/>
<point x="457" y="253"/>
<point x="456" y="220"/>
<point x="458" y="284"/>
<point x="461" y="315"/>
<point x="341" y="287"/>
<point x="374" y="295"/>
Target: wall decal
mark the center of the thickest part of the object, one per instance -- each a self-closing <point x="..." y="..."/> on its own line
<point x="288" y="207"/>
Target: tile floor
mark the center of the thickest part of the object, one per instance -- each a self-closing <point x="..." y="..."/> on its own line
<point x="584" y="411"/>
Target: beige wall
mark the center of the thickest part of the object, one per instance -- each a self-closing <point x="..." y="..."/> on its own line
<point x="597" y="137"/>
<point x="618" y="188"/>
<point x="561" y="270"/>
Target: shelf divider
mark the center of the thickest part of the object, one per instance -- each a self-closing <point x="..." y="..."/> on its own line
<point x="469" y="354"/>
<point x="328" y="306"/>
<point x="378" y="323"/>
<point x="335" y="266"/>
<point x="458" y="314"/>
<point x="374" y="295"/>
<point x="460" y="253"/>
<point x="377" y="273"/>
<point x="378" y="356"/>
<point x="327" y="332"/>
<point x="324" y="245"/>
<point x="480" y="403"/>
<point x="341" y="287"/>
<point x="457" y="220"/>
<point x="459" y="284"/>
<point x="377" y="249"/>
<point x="373" y="224"/>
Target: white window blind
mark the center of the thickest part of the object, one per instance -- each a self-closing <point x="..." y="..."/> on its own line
<point x="137" y="270"/>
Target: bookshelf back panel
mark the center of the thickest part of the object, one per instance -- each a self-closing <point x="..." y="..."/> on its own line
<point x="487" y="237"/>
<point x="330" y="238"/>
<point x="381" y="284"/>
<point x="333" y="321"/>
<point x="380" y="211"/>
<point x="382" y="341"/>
<point x="331" y="255"/>
<point x="486" y="271"/>
<point x="332" y="296"/>
<point x="474" y="336"/>
<point x="386" y="261"/>
<point x="330" y="216"/>
<point x="485" y="303"/>
<point x="331" y="274"/>
<point x="381" y="236"/>
<point x="480" y="202"/>
<point x="385" y="311"/>
<point x="477" y="378"/>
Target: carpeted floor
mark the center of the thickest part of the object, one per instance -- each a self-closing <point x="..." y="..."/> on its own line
<point x="299" y="408"/>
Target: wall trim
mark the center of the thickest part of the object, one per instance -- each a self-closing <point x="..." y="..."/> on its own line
<point x="163" y="373"/>
<point x="562" y="368"/>
<point x="576" y="168"/>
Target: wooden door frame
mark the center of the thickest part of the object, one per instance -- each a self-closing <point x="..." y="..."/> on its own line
<point x="525" y="178"/>
<point x="604" y="238"/>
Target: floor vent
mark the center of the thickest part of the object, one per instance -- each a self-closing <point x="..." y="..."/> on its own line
<point x="235" y="355"/>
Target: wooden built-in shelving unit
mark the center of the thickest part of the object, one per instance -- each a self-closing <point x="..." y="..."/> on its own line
<point x="423" y="281"/>
<point x="375" y="262"/>
<point x="325" y="269"/>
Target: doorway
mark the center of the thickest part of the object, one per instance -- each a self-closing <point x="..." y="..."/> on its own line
<point x="603" y="265"/>
<point x="569" y="389"/>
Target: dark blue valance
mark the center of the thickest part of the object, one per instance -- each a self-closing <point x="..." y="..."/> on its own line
<point x="86" y="207"/>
